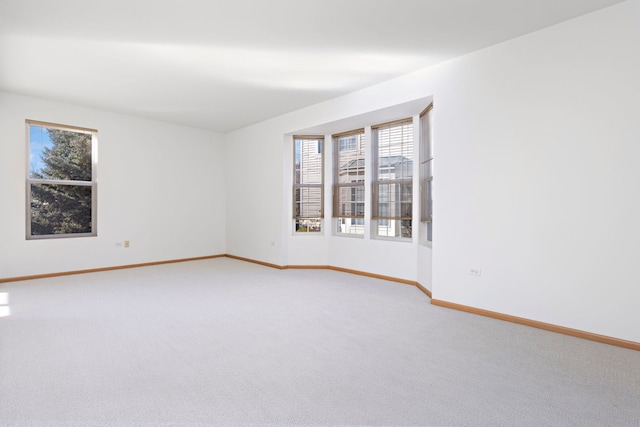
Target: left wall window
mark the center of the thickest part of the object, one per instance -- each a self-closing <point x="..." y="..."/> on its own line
<point x="61" y="181"/>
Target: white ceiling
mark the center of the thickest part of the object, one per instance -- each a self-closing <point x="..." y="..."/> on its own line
<point x="222" y="64"/>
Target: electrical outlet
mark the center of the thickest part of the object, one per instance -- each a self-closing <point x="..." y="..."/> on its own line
<point x="126" y="244"/>
<point x="475" y="272"/>
<point x="118" y="244"/>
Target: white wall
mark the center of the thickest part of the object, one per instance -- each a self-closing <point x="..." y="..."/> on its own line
<point x="537" y="140"/>
<point x="161" y="186"/>
<point x="424" y="262"/>
<point x="535" y="177"/>
<point x="254" y="168"/>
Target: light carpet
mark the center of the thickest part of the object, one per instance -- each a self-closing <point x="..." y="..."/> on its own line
<point x="225" y="342"/>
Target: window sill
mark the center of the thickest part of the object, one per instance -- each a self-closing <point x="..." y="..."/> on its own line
<point x="393" y="239"/>
<point x="351" y="236"/>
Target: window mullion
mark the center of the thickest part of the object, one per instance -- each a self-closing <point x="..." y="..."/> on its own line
<point x="60" y="182"/>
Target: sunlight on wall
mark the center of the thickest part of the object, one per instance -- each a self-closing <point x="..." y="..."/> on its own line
<point x="296" y="68"/>
<point x="290" y="69"/>
<point x="4" y="304"/>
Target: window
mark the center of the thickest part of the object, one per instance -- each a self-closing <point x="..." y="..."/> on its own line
<point x="61" y="181"/>
<point x="308" y="184"/>
<point x="426" y="170"/>
<point x="348" y="187"/>
<point x="393" y="178"/>
<point x="349" y="143"/>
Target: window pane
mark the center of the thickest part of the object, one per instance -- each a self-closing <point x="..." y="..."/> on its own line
<point x="350" y="226"/>
<point x="308" y="161"/>
<point x="351" y="201"/>
<point x="308" y="184"/>
<point x="394" y="151"/>
<point x="387" y="228"/>
<point x="384" y="210"/>
<point x="59" y="154"/>
<point x="405" y="228"/>
<point x="349" y="169"/>
<point x="405" y="192"/>
<point x="308" y="225"/>
<point x="60" y="209"/>
<point x="308" y="202"/>
<point x="395" y="200"/>
<point x="350" y="159"/>
<point x="426" y="173"/>
<point x="394" y="228"/>
<point x="426" y="140"/>
<point x="425" y="170"/>
<point x="426" y="202"/>
<point x="430" y="200"/>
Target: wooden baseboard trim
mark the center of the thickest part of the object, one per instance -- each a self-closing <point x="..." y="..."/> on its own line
<point x="500" y="316"/>
<point x="98" y="270"/>
<point x="266" y="264"/>
<point x="325" y="267"/>
<point x="306" y="267"/>
<point x="540" y="325"/>
<point x="372" y="275"/>
<point x="423" y="289"/>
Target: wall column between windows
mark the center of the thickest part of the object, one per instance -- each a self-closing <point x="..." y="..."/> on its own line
<point x="328" y="222"/>
<point x="415" y="196"/>
<point x="368" y="174"/>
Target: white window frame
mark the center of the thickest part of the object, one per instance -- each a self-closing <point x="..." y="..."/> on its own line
<point x="34" y="181"/>
<point x="356" y="142"/>
<point x="311" y="220"/>
<point x="378" y="182"/>
<point x="426" y="172"/>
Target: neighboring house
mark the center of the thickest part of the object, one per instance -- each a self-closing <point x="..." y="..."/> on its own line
<point x="390" y="168"/>
<point x="308" y="171"/>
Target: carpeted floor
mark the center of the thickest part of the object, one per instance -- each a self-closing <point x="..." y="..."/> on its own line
<point x="223" y="342"/>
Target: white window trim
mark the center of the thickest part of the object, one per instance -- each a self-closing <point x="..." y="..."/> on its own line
<point x="93" y="183"/>
<point x="373" y="183"/>
<point x="336" y="186"/>
<point x="322" y="186"/>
